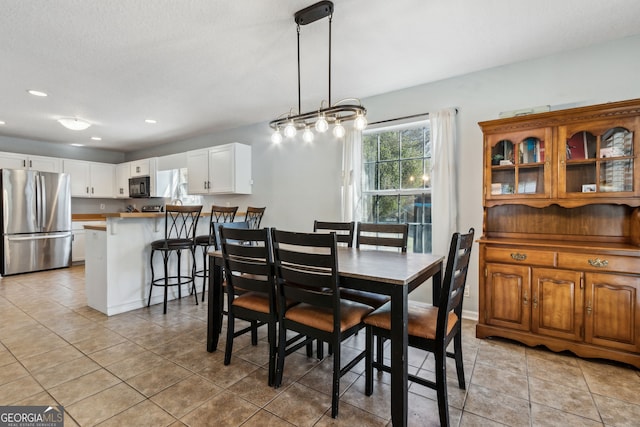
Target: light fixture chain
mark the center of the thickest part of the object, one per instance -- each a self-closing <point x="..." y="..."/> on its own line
<point x="330" y="19"/>
<point x="299" y="96"/>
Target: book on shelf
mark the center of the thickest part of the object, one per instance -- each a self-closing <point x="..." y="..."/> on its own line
<point x="577" y="147"/>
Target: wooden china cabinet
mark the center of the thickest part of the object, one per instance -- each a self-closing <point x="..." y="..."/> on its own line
<point x="560" y="251"/>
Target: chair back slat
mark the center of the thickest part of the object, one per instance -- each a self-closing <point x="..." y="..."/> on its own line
<point x="248" y="262"/>
<point x="254" y="216"/>
<point x="181" y="221"/>
<point x="306" y="267"/>
<point x="455" y="277"/>
<point x="385" y="235"/>
<point x="344" y="230"/>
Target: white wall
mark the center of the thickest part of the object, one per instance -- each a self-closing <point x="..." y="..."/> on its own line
<point x="299" y="182"/>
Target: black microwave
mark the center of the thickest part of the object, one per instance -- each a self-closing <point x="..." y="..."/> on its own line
<point x="140" y="187"/>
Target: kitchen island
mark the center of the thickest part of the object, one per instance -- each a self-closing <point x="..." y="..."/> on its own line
<point x="117" y="269"/>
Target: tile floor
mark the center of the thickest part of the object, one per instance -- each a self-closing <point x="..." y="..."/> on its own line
<point x="145" y="368"/>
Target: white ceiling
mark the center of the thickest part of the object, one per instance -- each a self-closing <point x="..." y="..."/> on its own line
<point x="198" y="66"/>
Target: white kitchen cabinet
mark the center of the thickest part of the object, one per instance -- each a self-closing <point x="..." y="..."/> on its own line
<point x="123" y="173"/>
<point x="23" y="161"/>
<point x="90" y="179"/>
<point x="224" y="169"/>
<point x="140" y="167"/>
<point x="79" y="233"/>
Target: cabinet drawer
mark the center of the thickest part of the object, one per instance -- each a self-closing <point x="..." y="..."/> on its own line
<point x="601" y="262"/>
<point x="520" y="255"/>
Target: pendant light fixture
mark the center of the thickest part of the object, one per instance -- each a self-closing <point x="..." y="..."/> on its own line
<point x="336" y="114"/>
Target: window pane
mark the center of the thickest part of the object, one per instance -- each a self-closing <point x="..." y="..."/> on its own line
<point x="412" y="143"/>
<point x="389" y="146"/>
<point x="368" y="208"/>
<point x="412" y="173"/>
<point x="369" y="177"/>
<point x="387" y="209"/>
<point x="370" y="148"/>
<point x="389" y="175"/>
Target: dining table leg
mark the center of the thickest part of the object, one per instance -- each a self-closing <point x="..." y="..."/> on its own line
<point x="399" y="356"/>
<point x="214" y="304"/>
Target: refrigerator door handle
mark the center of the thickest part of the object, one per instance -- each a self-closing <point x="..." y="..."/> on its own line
<point x="43" y="201"/>
<point x="50" y="236"/>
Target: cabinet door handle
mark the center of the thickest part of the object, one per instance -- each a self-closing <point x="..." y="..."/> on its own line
<point x="518" y="257"/>
<point x="598" y="263"/>
<point x="589" y="309"/>
<point x="87" y="190"/>
<point x="91" y="190"/>
<point x="535" y="301"/>
<point x="525" y="300"/>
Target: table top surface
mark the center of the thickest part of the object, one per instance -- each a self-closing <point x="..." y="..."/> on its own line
<point x="380" y="265"/>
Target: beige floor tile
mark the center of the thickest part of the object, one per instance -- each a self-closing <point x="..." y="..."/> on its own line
<point x="157" y="379"/>
<point x="509" y="356"/>
<point x="266" y="419"/>
<point x="501" y="380"/>
<point x="83" y="387"/>
<point x="379" y="403"/>
<point x="57" y="356"/>
<point x="287" y="405"/>
<point x="225" y="376"/>
<point x="455" y="395"/>
<point x="116" y="353"/>
<point x="255" y="389"/>
<point x="135" y="365"/>
<point x="557" y="370"/>
<point x="469" y="419"/>
<point x="616" y="412"/>
<point x="186" y="395"/>
<point x="67" y="371"/>
<point x="12" y="372"/>
<point x="564" y="398"/>
<point x="39" y="399"/>
<point x="350" y="416"/>
<point x="144" y="414"/>
<point x="224" y="409"/>
<point x="424" y="412"/>
<point x="612" y="380"/>
<point x="104" y="405"/>
<point x="497" y="406"/>
<point x="320" y="378"/>
<point x="18" y="390"/>
<point x="545" y="416"/>
<point x="99" y="340"/>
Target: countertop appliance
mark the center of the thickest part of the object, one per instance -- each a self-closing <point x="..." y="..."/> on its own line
<point x="140" y="186"/>
<point x="152" y="208"/>
<point x="35" y="221"/>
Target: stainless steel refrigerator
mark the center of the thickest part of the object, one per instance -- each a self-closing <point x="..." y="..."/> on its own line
<point x="36" y="221"/>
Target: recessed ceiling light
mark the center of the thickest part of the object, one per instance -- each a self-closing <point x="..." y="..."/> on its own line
<point x="77" y="145"/>
<point x="150" y="121"/>
<point x="2" y="123"/>
<point x="96" y="138"/>
<point x="74" y="123"/>
<point x="36" y="92"/>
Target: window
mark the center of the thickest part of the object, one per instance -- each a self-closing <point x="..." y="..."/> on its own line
<point x="396" y="184"/>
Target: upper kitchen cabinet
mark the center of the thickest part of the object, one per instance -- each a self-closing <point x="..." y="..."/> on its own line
<point x="144" y="167"/>
<point x="574" y="157"/>
<point x="598" y="160"/>
<point x="90" y="179"/>
<point x="22" y="161"/>
<point x="518" y="166"/>
<point x="123" y="173"/>
<point x="224" y="169"/>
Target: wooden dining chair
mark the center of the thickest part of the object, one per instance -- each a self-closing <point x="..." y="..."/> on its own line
<point x="382" y="235"/>
<point x="306" y="267"/>
<point x="250" y="287"/>
<point x="344" y="230"/>
<point x="219" y="214"/>
<point x="430" y="327"/>
<point x="254" y="216"/>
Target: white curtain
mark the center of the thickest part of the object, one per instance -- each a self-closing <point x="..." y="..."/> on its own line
<point x="352" y="175"/>
<point x="444" y="204"/>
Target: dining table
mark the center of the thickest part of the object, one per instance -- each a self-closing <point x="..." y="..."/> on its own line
<point x="384" y="272"/>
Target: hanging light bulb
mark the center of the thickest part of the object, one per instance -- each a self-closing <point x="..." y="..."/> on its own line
<point x="321" y="124"/>
<point x="338" y="130"/>
<point x="360" y="122"/>
<point x="307" y="135"/>
<point x="276" y="137"/>
<point x="290" y="130"/>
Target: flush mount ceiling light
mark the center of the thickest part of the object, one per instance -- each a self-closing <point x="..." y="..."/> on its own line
<point x="74" y="123"/>
<point x="36" y="92"/>
<point x="96" y="138"/>
<point x="342" y="111"/>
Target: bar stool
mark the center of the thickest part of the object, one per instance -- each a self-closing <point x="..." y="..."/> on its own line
<point x="254" y="216"/>
<point x="179" y="234"/>
<point x="219" y="214"/>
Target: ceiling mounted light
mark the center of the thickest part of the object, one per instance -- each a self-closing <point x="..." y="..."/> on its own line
<point x="341" y="111"/>
<point x="2" y="123"/>
<point x="37" y="93"/>
<point x="276" y="137"/>
<point x="150" y="121"/>
<point x="96" y="138"/>
<point x="74" y="123"/>
<point x="338" y="130"/>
